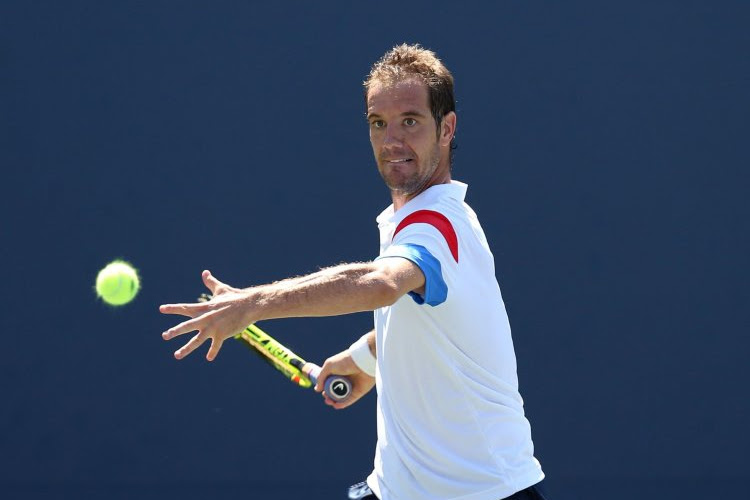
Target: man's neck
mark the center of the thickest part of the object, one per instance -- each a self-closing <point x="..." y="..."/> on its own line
<point x="400" y="199"/>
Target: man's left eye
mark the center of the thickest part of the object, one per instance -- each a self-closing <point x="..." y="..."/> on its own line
<point x="410" y="122"/>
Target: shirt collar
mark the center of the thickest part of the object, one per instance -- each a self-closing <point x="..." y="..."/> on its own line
<point x="454" y="189"/>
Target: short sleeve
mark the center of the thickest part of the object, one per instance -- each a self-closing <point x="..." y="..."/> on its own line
<point x="436" y="290"/>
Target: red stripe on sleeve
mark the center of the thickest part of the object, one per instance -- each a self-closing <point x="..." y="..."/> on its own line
<point x="436" y="220"/>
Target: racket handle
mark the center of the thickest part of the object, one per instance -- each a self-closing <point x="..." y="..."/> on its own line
<point x="336" y="387"/>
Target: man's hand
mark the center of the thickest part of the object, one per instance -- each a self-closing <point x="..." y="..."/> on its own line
<point x="225" y="315"/>
<point x="342" y="364"/>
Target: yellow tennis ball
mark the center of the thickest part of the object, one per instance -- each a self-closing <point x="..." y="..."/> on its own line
<point x="118" y="283"/>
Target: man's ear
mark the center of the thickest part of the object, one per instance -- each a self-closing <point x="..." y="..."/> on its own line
<point x="447" y="128"/>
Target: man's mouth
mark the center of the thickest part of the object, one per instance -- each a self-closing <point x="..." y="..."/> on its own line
<point x="399" y="160"/>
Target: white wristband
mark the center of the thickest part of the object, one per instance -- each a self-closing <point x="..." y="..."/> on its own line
<point x="362" y="357"/>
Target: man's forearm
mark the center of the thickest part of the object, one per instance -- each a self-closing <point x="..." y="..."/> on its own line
<point x="342" y="289"/>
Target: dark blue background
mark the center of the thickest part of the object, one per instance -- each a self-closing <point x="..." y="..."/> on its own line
<point x="606" y="149"/>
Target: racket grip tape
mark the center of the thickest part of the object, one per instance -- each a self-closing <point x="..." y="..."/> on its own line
<point x="336" y="387"/>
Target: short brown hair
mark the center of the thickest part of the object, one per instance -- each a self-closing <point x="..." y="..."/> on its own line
<point x="407" y="61"/>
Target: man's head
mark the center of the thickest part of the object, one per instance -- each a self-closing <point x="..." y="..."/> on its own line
<point x="411" y="112"/>
<point x="412" y="61"/>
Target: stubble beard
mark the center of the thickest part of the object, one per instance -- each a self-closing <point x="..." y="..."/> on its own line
<point x="416" y="183"/>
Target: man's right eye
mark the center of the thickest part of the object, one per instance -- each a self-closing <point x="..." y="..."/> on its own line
<point x="377" y="124"/>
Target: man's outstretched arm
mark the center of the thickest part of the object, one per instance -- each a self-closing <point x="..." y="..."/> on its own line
<point x="341" y="289"/>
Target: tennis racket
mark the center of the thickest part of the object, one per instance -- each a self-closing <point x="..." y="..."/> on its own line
<point x="336" y="387"/>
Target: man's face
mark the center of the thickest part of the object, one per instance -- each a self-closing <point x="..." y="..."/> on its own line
<point x="404" y="138"/>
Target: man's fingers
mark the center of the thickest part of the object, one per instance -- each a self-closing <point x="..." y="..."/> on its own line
<point x="357" y="393"/>
<point x="184" y="327"/>
<point x="211" y="283"/>
<point x="190" y="310"/>
<point x="194" y="344"/>
<point x="322" y="376"/>
<point x="213" y="351"/>
<point x="197" y="323"/>
<point x="340" y="406"/>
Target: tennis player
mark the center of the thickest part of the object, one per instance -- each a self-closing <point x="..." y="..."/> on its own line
<point x="450" y="419"/>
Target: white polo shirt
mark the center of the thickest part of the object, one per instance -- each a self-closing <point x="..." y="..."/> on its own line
<point x="450" y="419"/>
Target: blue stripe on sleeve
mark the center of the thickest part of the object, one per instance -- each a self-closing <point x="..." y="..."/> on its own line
<point x="435" y="289"/>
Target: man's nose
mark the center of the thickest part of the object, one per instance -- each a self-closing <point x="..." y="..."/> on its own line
<point x="393" y="135"/>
